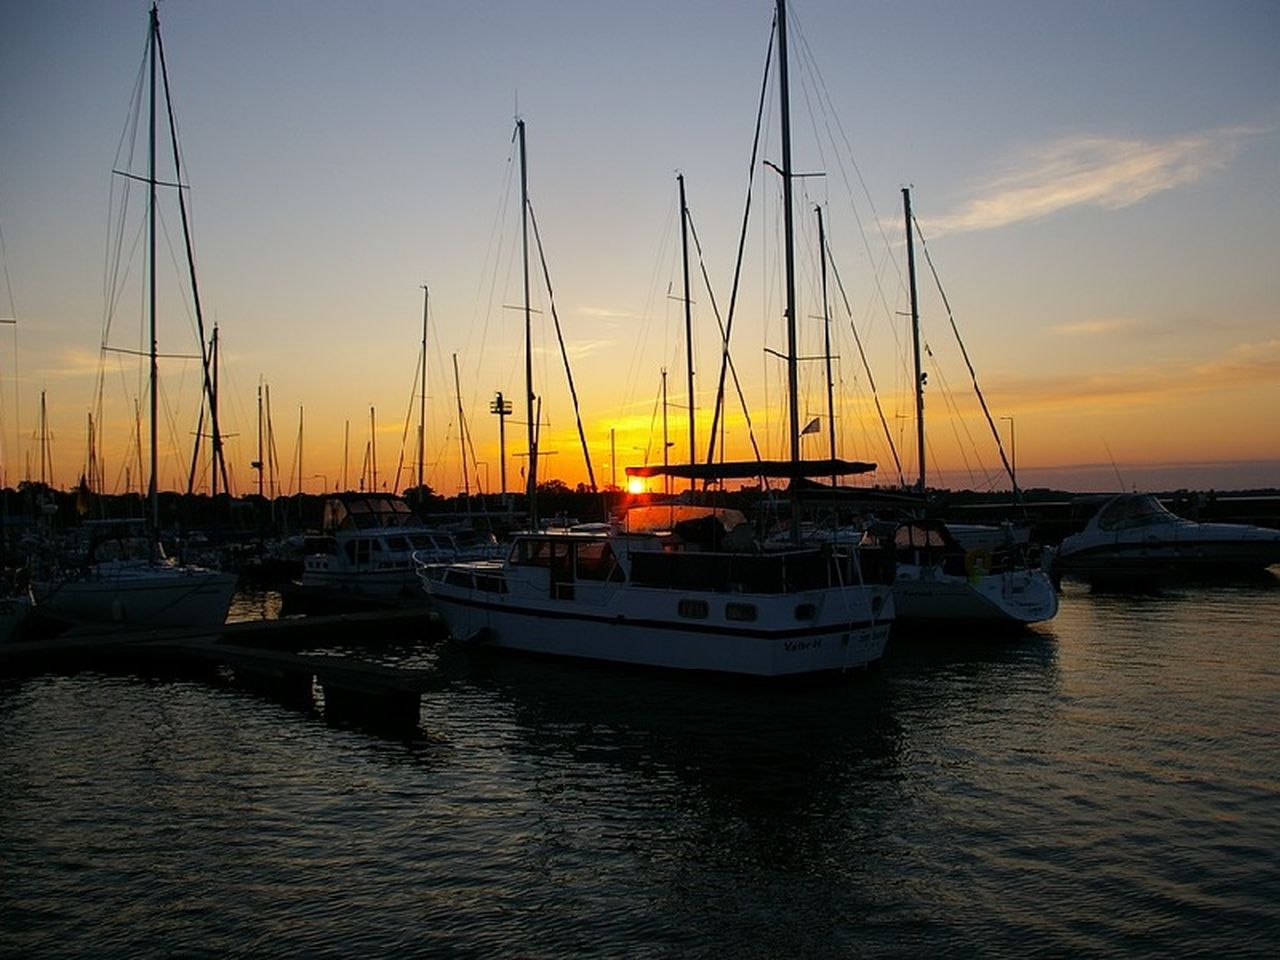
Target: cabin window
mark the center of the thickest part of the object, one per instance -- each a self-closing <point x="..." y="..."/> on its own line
<point x="693" y="609"/>
<point x="741" y="612"/>
<point x="398" y="544"/>
<point x="456" y="578"/>
<point x="597" y="562"/>
<point x="532" y="553"/>
<point x="358" y="551"/>
<point x="806" y="611"/>
<point x="490" y="584"/>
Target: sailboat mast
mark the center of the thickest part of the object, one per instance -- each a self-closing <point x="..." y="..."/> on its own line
<point x="300" y="455"/>
<point x="793" y="389"/>
<point x="826" y="341"/>
<point x="260" y="461"/>
<point x="531" y="487"/>
<point x="373" y="448"/>
<point x="666" y="444"/>
<point x="422" y="400"/>
<point x="213" y="421"/>
<point x="688" y="321"/>
<point x="153" y="490"/>
<point x="915" y="334"/>
<point x="462" y="434"/>
<point x="784" y="95"/>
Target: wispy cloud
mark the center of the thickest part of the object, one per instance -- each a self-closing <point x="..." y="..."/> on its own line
<point x="69" y="363"/>
<point x="1246" y="364"/>
<point x="1106" y="172"/>
<point x="604" y="313"/>
<point x="1094" y="327"/>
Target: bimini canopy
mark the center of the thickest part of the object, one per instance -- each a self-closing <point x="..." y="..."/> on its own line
<point x="747" y="469"/>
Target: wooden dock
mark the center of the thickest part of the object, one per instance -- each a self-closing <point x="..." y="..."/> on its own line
<point x="259" y="655"/>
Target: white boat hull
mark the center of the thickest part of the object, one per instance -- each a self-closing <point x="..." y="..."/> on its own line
<point x="1134" y="541"/>
<point x="644" y="627"/>
<point x="924" y="593"/>
<point x="153" y="596"/>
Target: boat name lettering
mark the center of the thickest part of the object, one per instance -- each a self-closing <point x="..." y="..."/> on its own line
<point x="795" y="646"/>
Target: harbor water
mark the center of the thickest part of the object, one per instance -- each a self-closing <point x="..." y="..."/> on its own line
<point x="1107" y="784"/>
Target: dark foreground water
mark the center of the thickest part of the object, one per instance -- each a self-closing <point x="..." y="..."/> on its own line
<point x="1108" y="784"/>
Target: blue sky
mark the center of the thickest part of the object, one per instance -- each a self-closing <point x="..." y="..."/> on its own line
<point x="1099" y="184"/>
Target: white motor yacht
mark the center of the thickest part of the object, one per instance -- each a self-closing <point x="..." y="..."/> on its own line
<point x="1134" y="540"/>
<point x="633" y="594"/>
<point x="369" y="544"/>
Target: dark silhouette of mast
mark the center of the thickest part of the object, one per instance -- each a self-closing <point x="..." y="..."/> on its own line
<point x="152" y="487"/>
<point x="793" y="390"/>
<point x="531" y="486"/>
<point x="422" y="400"/>
<point x="915" y="335"/>
<point x="688" y="322"/>
<point x="826" y="340"/>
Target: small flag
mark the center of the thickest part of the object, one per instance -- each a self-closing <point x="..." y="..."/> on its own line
<point x="810" y="427"/>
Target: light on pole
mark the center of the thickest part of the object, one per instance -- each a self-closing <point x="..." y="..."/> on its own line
<point x="501" y="407"/>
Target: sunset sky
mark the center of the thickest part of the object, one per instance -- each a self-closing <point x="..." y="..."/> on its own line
<point x="1098" y="184"/>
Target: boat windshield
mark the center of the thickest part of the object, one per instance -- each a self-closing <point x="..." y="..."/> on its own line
<point x="912" y="535"/>
<point x="1135" y="511"/>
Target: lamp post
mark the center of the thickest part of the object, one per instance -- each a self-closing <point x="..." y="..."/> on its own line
<point x="501" y="407"/>
<point x="321" y="476"/>
<point x="1013" y="458"/>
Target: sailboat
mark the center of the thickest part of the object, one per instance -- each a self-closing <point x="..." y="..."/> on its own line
<point x="123" y="576"/>
<point x="937" y="579"/>
<point x="683" y="588"/>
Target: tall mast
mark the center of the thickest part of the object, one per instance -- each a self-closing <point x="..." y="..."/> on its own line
<point x="826" y="341"/>
<point x="260" y="463"/>
<point x="531" y="487"/>
<point x="688" y="321"/>
<point x="666" y="444"/>
<point x="462" y="435"/>
<point x="153" y="491"/>
<point x="793" y="391"/>
<point x="300" y="409"/>
<point x="213" y="423"/>
<point x="915" y="335"/>
<point x="373" y="449"/>
<point x="422" y="400"/>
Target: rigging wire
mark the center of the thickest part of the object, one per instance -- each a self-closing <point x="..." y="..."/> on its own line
<point x="555" y="316"/>
<point x="866" y="366"/>
<point x="973" y="375"/>
<point x="742" y="240"/>
<point x="13" y="320"/>
<point x="724" y="337"/>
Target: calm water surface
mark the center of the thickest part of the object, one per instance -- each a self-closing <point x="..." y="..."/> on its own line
<point x="1108" y="784"/>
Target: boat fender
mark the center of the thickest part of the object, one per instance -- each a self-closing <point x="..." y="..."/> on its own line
<point x="977" y="562"/>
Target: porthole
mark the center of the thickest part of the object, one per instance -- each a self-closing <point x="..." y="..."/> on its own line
<point x="693" y="609"/>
